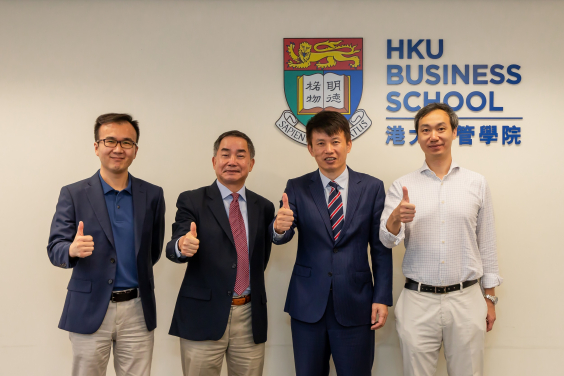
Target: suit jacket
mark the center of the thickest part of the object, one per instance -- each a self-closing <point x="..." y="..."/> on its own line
<point x="91" y="284"/>
<point x="204" y="300"/>
<point x="321" y="262"/>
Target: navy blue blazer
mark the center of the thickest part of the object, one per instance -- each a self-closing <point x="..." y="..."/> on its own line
<point x="321" y="262"/>
<point x="204" y="300"/>
<point x="91" y="284"/>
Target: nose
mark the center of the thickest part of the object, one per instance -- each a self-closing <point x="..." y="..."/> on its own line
<point x="329" y="148"/>
<point x="434" y="135"/>
<point x="118" y="148"/>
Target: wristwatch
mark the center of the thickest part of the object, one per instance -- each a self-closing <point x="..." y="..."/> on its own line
<point x="492" y="298"/>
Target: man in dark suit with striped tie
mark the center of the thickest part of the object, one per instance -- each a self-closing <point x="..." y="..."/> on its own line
<point x="334" y="306"/>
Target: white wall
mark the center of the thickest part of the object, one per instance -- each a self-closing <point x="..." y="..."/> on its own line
<point x="191" y="70"/>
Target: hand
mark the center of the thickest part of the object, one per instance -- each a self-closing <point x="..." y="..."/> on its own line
<point x="285" y="217"/>
<point x="82" y="246"/>
<point x="490" y="317"/>
<point x="382" y="311"/>
<point x="403" y="213"/>
<point x="189" y="243"/>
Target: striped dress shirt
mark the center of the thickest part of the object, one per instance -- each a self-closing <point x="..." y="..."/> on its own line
<point x="452" y="237"/>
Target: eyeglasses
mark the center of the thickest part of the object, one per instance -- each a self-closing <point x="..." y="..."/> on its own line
<point x="111" y="143"/>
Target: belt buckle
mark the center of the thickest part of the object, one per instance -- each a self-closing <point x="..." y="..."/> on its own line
<point x="441" y="290"/>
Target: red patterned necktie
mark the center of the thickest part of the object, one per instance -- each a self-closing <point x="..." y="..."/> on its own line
<point x="240" y="238"/>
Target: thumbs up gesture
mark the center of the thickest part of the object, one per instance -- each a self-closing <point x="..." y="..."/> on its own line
<point x="285" y="217"/>
<point x="83" y="245"/>
<point x="405" y="212"/>
<point x="189" y="243"/>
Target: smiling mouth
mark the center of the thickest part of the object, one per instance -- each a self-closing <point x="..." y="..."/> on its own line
<point x="330" y="159"/>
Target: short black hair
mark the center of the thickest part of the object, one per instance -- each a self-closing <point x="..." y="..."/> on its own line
<point x="115" y="118"/>
<point x="234" y="133"/>
<point x="453" y="118"/>
<point x="330" y="123"/>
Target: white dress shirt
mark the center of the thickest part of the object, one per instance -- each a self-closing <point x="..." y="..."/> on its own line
<point x="452" y="237"/>
<point x="343" y="182"/>
<point x="227" y="198"/>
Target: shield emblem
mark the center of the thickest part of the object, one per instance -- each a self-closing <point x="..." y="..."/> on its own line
<point x="322" y="74"/>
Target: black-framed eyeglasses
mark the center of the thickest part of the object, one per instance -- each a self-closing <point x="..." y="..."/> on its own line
<point x="111" y="143"/>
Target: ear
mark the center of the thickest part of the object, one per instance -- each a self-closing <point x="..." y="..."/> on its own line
<point x="135" y="152"/>
<point x="96" y="145"/>
<point x="251" y="165"/>
<point x="213" y="162"/>
<point x="349" y="146"/>
<point x="455" y="133"/>
<point x="310" y="149"/>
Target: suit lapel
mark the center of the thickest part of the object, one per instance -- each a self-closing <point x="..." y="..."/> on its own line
<point x="95" y="196"/>
<point x="218" y="209"/>
<point x="139" y="207"/>
<point x="316" y="189"/>
<point x="253" y="217"/>
<point x="356" y="188"/>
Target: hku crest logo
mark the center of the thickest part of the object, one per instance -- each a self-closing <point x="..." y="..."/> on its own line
<point x="322" y="74"/>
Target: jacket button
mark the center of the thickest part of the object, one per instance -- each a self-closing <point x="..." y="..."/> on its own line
<point x="330" y="274"/>
<point x="229" y="293"/>
<point x="112" y="260"/>
<point x="110" y="281"/>
<point x="335" y="250"/>
<point x="233" y="266"/>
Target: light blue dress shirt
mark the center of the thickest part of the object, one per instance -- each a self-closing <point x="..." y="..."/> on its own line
<point x="227" y="198"/>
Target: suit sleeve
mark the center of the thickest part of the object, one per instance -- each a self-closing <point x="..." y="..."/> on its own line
<point x="63" y="231"/>
<point x="185" y="215"/>
<point x="382" y="267"/>
<point x="268" y="223"/>
<point x="288" y="235"/>
<point x="158" y="229"/>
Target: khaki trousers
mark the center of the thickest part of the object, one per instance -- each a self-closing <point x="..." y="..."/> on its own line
<point x="457" y="319"/>
<point x="124" y="327"/>
<point x="244" y="357"/>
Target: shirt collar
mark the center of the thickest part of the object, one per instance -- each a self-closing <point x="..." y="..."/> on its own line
<point x="453" y="165"/>
<point x="226" y="192"/>
<point x="107" y="188"/>
<point x="341" y="180"/>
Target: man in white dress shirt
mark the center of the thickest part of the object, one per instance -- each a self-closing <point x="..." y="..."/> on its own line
<point x="444" y="214"/>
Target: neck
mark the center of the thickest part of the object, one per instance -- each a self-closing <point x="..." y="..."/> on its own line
<point x="332" y="175"/>
<point x="117" y="181"/>
<point x="439" y="164"/>
<point x="233" y="187"/>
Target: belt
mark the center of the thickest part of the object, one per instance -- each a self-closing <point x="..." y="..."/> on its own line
<point x="125" y="295"/>
<point x="241" y="300"/>
<point x="414" y="285"/>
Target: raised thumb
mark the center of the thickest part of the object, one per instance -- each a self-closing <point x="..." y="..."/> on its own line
<point x="285" y="204"/>
<point x="405" y="194"/>
<point x="80" y="231"/>
<point x="193" y="230"/>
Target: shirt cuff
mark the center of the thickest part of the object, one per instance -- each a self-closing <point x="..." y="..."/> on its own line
<point x="275" y="235"/>
<point x="491" y="280"/>
<point x="178" y="254"/>
<point x="390" y="240"/>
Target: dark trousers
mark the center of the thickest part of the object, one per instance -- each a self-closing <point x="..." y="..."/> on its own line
<point x="352" y="347"/>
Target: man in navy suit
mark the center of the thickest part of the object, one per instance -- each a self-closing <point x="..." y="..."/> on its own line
<point x="109" y="229"/>
<point x="331" y="299"/>
<point x="222" y="232"/>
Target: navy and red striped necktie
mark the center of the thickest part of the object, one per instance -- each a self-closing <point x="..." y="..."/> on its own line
<point x="336" y="212"/>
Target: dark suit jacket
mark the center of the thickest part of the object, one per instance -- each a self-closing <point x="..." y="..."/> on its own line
<point x="90" y="289"/>
<point x="204" y="300"/>
<point x="320" y="262"/>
